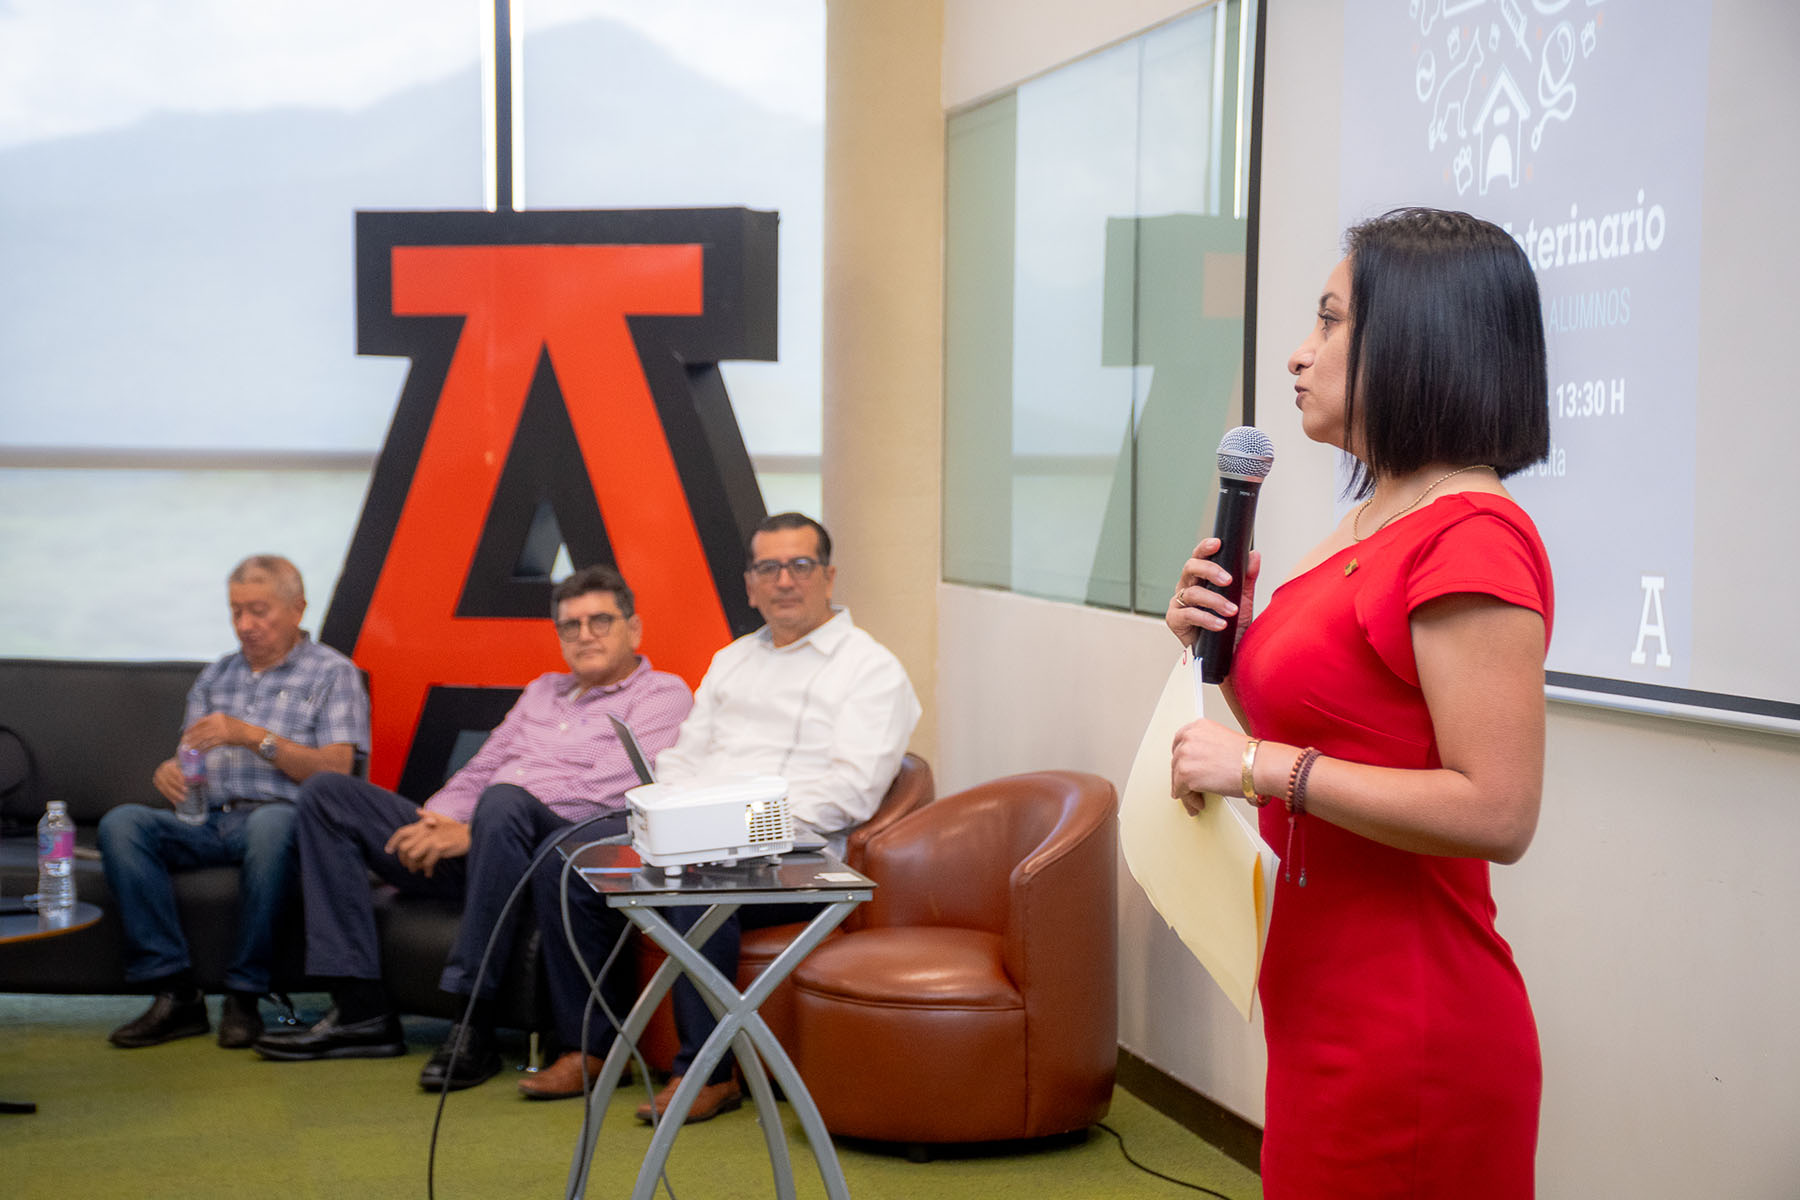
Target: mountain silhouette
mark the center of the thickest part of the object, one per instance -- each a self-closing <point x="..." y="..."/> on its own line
<point x="187" y="281"/>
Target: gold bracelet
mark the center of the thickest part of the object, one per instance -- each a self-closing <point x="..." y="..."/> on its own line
<point x="1249" y="780"/>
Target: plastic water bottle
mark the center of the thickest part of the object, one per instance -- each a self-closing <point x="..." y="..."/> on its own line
<point x="192" y="808"/>
<point x="56" y="859"/>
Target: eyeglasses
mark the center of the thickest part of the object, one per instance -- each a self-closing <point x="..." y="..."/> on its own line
<point x="771" y="568"/>
<point x="570" y="628"/>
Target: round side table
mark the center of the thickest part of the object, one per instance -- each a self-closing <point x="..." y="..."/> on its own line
<point x="31" y="926"/>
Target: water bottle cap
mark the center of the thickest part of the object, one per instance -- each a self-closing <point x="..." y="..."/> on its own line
<point x="56" y="806"/>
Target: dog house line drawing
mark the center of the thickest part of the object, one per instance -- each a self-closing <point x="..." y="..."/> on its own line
<point x="1500" y="126"/>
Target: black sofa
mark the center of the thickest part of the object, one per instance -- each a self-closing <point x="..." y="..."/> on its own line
<point x="98" y="730"/>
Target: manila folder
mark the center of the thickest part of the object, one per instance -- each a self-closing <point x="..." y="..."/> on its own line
<point x="1210" y="876"/>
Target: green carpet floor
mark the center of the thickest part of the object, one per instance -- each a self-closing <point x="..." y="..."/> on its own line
<point x="189" y="1121"/>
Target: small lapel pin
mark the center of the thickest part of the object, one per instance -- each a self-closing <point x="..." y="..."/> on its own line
<point x="1351" y="567"/>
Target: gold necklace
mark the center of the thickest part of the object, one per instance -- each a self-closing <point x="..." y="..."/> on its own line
<point x="1356" y="534"/>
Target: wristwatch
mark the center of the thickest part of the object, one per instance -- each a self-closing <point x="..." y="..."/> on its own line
<point x="267" y="747"/>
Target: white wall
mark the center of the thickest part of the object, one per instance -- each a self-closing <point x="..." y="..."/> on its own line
<point x="991" y="45"/>
<point x="1653" y="918"/>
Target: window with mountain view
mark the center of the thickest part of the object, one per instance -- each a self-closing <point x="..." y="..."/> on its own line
<point x="179" y="382"/>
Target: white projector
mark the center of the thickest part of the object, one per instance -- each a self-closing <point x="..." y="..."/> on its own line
<point x="720" y="819"/>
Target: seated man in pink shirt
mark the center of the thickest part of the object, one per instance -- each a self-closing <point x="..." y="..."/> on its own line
<point x="552" y="762"/>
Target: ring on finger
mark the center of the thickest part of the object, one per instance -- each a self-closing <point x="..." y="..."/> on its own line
<point x="1179" y="603"/>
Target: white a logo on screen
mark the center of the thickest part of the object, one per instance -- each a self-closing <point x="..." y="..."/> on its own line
<point x="1492" y="80"/>
<point x="1651" y="625"/>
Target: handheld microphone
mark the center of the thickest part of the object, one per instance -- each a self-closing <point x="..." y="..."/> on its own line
<point x="1246" y="456"/>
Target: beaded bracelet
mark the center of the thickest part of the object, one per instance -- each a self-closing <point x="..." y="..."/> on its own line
<point x="1248" y="780"/>
<point x="1296" y="793"/>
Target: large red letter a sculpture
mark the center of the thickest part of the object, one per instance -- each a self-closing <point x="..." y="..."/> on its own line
<point x="564" y="392"/>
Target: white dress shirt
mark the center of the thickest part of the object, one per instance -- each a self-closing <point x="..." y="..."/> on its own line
<point x="830" y="712"/>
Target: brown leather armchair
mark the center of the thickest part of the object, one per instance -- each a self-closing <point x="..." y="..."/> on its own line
<point x="911" y="790"/>
<point x="977" y="1001"/>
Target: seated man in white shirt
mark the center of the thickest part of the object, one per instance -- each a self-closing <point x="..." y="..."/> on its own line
<point x="809" y="697"/>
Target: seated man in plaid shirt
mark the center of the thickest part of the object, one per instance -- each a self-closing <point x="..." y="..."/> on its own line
<point x="269" y="716"/>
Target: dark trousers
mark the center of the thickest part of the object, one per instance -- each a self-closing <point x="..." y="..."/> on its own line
<point x="595" y="928"/>
<point x="345" y="823"/>
<point x="342" y="829"/>
<point x="694" y="1021"/>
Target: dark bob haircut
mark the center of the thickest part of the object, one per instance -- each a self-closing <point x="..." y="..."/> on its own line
<point x="597" y="578"/>
<point x="1446" y="343"/>
<point x="792" y="520"/>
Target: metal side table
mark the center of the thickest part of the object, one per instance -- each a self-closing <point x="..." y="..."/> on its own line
<point x="640" y="893"/>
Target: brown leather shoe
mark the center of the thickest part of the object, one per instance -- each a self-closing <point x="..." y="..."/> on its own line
<point x="562" y="1078"/>
<point x="713" y="1099"/>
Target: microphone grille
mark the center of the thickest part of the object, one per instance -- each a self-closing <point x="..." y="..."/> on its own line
<point x="1246" y="453"/>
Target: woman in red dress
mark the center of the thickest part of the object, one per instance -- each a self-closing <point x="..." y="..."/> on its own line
<point x="1394" y="694"/>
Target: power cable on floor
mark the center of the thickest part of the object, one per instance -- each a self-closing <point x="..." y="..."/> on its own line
<point x="1153" y="1171"/>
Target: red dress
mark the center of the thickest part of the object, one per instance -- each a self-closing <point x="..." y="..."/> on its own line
<point x="1403" y="1058"/>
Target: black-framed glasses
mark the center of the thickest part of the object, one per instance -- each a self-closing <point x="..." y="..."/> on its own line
<point x="569" y="628"/>
<point x="771" y="568"/>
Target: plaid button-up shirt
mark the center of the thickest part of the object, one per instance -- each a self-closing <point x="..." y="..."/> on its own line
<point x="314" y="697"/>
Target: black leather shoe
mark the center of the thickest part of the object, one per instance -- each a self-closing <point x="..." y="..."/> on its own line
<point x="377" y="1037"/>
<point x="475" y="1060"/>
<point x="240" y="1022"/>
<point x="168" y="1017"/>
